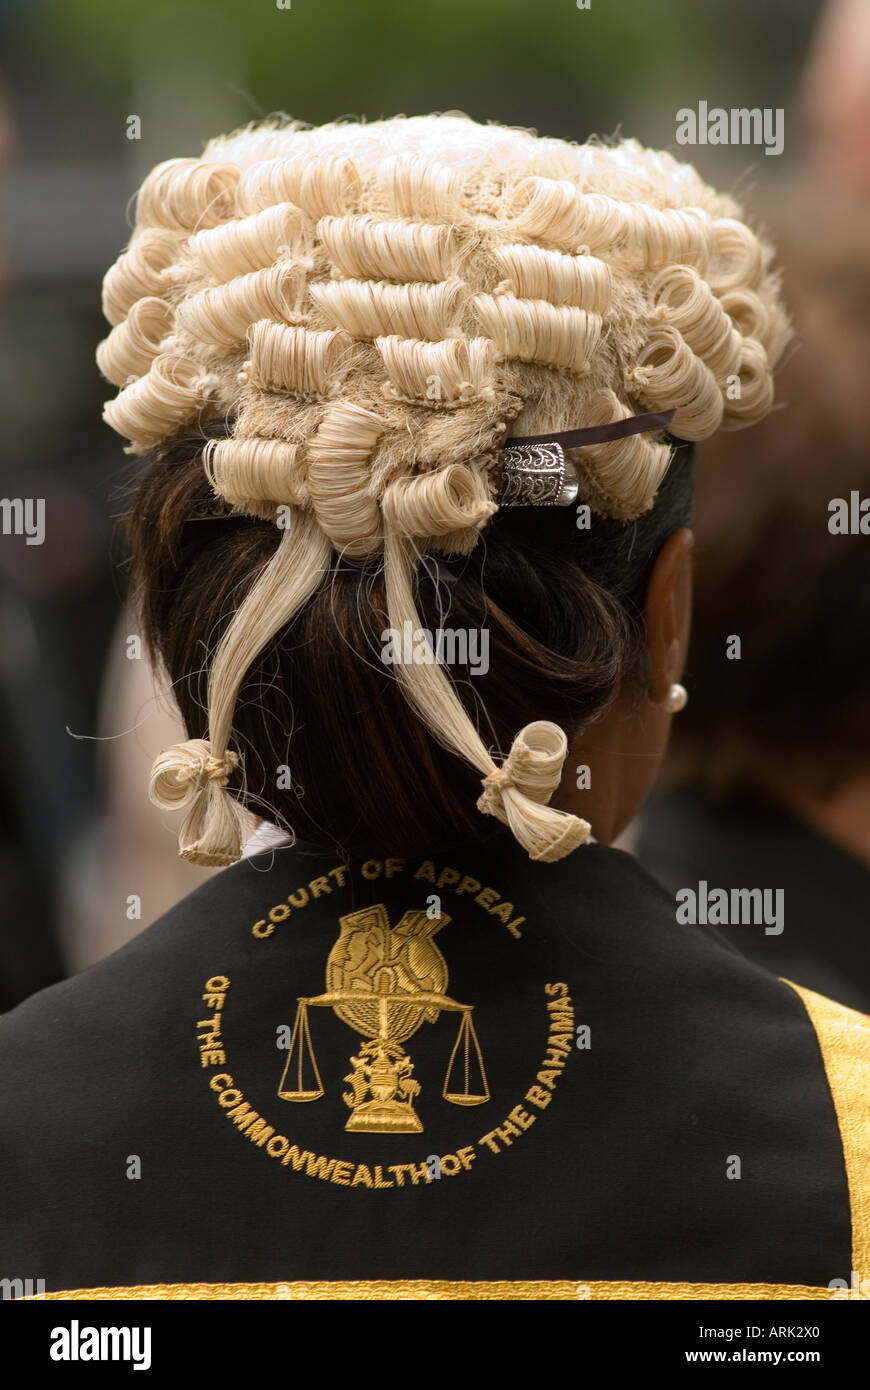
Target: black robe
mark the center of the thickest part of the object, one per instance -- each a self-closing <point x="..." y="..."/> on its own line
<point x="824" y="941"/>
<point x="504" y="1079"/>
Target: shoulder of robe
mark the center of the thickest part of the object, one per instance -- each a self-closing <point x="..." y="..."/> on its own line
<point x="90" y="1004"/>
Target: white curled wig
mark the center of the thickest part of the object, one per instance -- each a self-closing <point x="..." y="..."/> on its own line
<point x="373" y="308"/>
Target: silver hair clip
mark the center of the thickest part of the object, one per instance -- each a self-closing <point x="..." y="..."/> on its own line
<point x="537" y="475"/>
<point x="534" y="470"/>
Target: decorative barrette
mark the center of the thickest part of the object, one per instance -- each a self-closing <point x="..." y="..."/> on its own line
<point x="534" y="469"/>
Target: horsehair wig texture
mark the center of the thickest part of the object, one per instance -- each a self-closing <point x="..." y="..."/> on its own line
<point x="373" y="308"/>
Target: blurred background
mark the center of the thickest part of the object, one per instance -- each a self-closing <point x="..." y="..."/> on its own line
<point x="73" y="75"/>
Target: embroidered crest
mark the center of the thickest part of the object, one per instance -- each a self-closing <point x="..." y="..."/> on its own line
<point x="385" y="982"/>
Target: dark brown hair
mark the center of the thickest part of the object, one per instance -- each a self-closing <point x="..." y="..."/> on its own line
<point x="563" y="608"/>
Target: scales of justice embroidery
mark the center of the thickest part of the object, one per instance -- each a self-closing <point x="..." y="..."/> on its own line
<point x="384" y="982"/>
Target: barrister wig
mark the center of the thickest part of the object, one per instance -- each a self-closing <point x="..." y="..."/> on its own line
<point x="370" y="309"/>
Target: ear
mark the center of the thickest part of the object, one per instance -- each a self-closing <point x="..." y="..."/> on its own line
<point x="668" y="613"/>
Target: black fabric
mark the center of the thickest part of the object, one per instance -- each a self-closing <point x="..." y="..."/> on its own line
<point x="696" y="1056"/>
<point x="825" y="941"/>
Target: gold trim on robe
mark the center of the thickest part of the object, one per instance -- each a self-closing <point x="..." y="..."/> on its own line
<point x="502" y="1289"/>
<point x="844" y="1039"/>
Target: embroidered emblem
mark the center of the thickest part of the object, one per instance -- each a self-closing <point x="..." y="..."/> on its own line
<point x="385" y="982"/>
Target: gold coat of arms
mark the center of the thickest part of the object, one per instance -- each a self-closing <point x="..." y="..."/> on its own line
<point x="385" y="982"/>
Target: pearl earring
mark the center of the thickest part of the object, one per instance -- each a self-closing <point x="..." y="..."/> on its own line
<point x="678" y="698"/>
